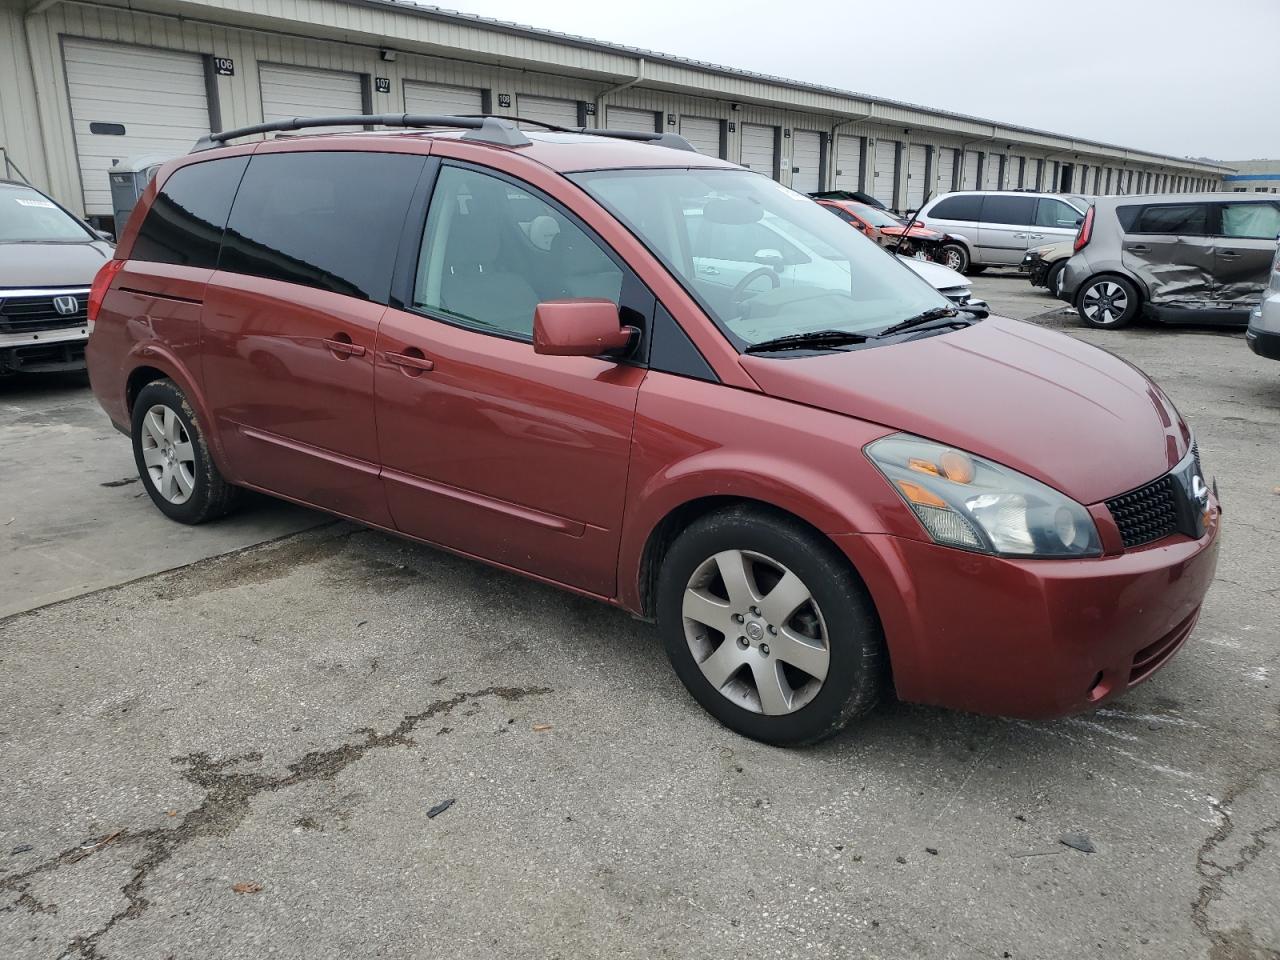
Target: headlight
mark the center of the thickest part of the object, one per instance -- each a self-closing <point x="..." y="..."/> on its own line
<point x="968" y="502"/>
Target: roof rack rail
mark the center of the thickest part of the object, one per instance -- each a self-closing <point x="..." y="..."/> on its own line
<point x="672" y="140"/>
<point x="496" y="130"/>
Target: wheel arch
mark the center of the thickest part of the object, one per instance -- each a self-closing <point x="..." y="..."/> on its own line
<point x="151" y="363"/>
<point x="677" y="519"/>
<point x="1144" y="297"/>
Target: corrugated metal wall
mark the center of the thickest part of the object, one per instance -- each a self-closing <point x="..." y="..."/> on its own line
<point x="536" y="67"/>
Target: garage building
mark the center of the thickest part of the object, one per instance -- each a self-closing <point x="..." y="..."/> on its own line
<point x="86" y="84"/>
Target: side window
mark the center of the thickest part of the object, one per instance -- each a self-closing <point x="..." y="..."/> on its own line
<point x="1055" y="213"/>
<point x="329" y="220"/>
<point x="491" y="252"/>
<point x="1011" y="209"/>
<point x="967" y="207"/>
<point x="185" y="223"/>
<point x="1177" y="219"/>
<point x="1251" y="221"/>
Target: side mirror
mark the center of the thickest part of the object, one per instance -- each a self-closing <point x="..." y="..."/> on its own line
<point x="769" y="257"/>
<point x="103" y="235"/>
<point x="578" y="328"/>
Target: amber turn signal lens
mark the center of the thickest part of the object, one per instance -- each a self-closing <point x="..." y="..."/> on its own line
<point x="921" y="465"/>
<point x="918" y="494"/>
<point x="956" y="467"/>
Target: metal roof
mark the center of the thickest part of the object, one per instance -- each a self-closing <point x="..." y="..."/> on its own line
<point x="523" y="30"/>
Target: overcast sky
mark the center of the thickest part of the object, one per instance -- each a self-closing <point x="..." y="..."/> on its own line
<point x="1184" y="77"/>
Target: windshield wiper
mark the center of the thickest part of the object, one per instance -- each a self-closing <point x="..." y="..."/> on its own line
<point x="920" y="319"/>
<point x="812" y="340"/>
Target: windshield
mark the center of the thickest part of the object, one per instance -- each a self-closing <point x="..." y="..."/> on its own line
<point x="877" y="218"/>
<point x="764" y="261"/>
<point x="28" y="217"/>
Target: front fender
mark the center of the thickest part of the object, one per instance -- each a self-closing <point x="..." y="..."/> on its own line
<point x="697" y="440"/>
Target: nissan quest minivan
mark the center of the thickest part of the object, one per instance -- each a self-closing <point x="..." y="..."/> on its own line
<point x="520" y="347"/>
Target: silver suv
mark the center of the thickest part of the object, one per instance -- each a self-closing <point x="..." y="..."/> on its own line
<point x="48" y="259"/>
<point x="997" y="228"/>
<point x="1179" y="258"/>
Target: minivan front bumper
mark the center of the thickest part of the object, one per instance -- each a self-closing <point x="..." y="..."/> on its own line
<point x="1031" y="638"/>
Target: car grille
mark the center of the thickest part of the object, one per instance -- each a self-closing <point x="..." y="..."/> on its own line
<point x="1146" y="514"/>
<point x="39" y="311"/>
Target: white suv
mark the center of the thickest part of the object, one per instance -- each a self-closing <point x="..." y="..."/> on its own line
<point x="990" y="228"/>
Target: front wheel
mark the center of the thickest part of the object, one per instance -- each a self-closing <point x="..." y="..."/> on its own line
<point x="173" y="458"/>
<point x="955" y="256"/>
<point x="1108" y="302"/>
<point x="769" y="628"/>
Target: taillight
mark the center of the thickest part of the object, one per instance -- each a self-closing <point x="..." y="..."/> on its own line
<point x="1085" y="232"/>
<point x="98" y="290"/>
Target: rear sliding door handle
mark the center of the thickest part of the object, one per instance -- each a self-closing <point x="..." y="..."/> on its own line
<point x="412" y="362"/>
<point x="1139" y="248"/>
<point x="343" y="348"/>
<point x="1229" y="255"/>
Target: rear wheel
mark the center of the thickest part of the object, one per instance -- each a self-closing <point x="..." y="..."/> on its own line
<point x="173" y="457"/>
<point x="769" y="628"/>
<point x="1108" y="301"/>
<point x="955" y="256"/>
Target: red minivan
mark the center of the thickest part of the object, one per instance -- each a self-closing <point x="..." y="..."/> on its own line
<point x="657" y="379"/>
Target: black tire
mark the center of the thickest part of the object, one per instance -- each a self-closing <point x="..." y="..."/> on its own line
<point x="857" y="666"/>
<point x="210" y="495"/>
<point x="1053" y="277"/>
<point x="1108" y="302"/>
<point x="955" y="256"/>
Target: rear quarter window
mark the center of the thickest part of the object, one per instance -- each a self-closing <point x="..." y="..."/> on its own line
<point x="185" y="223"/>
<point x="967" y="207"/>
<point x="1173" y="219"/>
<point x="329" y="220"/>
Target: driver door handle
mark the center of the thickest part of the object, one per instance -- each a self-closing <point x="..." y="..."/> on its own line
<point x="709" y="271"/>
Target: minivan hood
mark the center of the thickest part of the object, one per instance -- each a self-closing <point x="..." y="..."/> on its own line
<point x="29" y="265"/>
<point x="1071" y="415"/>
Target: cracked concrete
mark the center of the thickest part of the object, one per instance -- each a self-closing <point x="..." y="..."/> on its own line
<point x="281" y="720"/>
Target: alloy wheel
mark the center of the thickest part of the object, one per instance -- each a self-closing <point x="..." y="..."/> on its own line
<point x="1105" y="302"/>
<point x="756" y="632"/>
<point x="169" y="455"/>
<point x="953" y="259"/>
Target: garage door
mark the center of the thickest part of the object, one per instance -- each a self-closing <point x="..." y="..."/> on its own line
<point x="991" y="172"/>
<point x="946" y="164"/>
<point x="308" y="92"/>
<point x="848" y="163"/>
<point x="620" y="118"/>
<point x="128" y="101"/>
<point x="562" y="113"/>
<point x="759" y="149"/>
<point x="917" y="183"/>
<point x="806" y="161"/>
<point x="704" y="134"/>
<point x="969" y="175"/>
<point x="442" y="99"/>
<point x="886" y="170"/>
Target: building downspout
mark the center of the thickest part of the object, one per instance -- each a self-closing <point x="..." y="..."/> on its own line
<point x="612" y="90"/>
<point x="831" y="146"/>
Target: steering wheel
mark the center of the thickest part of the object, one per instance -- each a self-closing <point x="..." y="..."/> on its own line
<point x="740" y="288"/>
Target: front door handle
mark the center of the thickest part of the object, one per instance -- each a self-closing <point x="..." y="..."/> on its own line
<point x="1139" y="248"/>
<point x="342" y="347"/>
<point x="411" y="362"/>
<point x="1229" y="254"/>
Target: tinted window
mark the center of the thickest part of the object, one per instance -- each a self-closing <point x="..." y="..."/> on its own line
<point x="185" y="223"/>
<point x="957" y="208"/>
<point x="1008" y="209"/>
<point x="493" y="251"/>
<point x="1179" y="219"/>
<point x="330" y="220"/>
<point x="1255" y="221"/>
<point x="1055" y="213"/>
